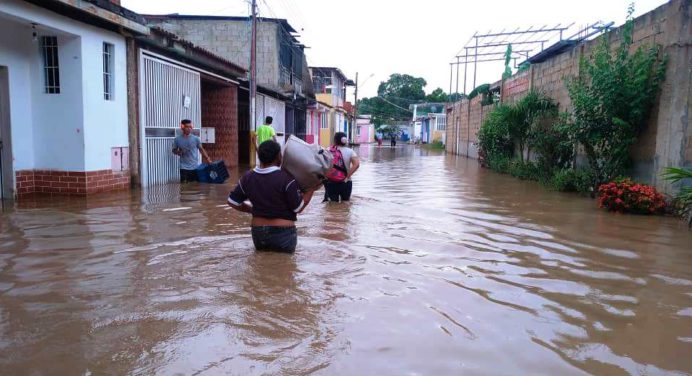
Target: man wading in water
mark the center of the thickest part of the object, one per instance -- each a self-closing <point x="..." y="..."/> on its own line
<point x="275" y="200"/>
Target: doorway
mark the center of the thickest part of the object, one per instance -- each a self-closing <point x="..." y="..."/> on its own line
<point x="6" y="178"/>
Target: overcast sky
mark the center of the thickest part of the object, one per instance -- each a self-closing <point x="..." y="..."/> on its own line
<point x="379" y="37"/>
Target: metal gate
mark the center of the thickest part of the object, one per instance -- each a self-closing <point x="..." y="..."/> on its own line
<point x="168" y="94"/>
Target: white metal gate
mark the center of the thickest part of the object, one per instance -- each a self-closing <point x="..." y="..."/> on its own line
<point x="168" y="94"/>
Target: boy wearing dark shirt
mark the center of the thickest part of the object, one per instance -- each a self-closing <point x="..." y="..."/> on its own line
<point x="275" y="200"/>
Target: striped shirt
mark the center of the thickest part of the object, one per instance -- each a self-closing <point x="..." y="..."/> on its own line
<point x="273" y="192"/>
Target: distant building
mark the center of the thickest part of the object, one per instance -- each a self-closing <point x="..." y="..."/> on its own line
<point x="429" y="122"/>
<point x="329" y="86"/>
<point x="365" y="129"/>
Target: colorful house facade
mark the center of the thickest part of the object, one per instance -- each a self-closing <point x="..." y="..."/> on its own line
<point x="365" y="129"/>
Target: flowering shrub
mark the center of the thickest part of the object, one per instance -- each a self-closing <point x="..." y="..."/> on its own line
<point x="625" y="196"/>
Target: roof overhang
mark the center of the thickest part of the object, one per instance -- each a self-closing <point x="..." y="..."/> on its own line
<point x="100" y="13"/>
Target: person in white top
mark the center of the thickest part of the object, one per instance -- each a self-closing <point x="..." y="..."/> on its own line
<point x="338" y="185"/>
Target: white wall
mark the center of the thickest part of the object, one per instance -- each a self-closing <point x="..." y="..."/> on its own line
<point x="15" y="55"/>
<point x="105" y="121"/>
<point x="58" y="125"/>
<point x="73" y="130"/>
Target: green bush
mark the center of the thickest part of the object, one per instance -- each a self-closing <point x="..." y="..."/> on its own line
<point x="611" y="100"/>
<point x="435" y="145"/>
<point x="494" y="138"/>
<point x="571" y="180"/>
<point x="683" y="200"/>
<point x="525" y="170"/>
<point x="511" y="124"/>
<point x="552" y="144"/>
<point x="498" y="163"/>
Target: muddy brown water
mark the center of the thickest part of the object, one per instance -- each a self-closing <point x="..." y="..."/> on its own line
<point x="436" y="267"/>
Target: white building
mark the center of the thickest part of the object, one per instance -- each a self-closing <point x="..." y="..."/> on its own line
<point x="63" y="96"/>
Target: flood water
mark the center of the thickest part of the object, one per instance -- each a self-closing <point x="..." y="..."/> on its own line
<point x="436" y="267"/>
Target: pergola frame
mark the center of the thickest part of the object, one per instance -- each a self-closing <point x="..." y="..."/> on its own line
<point x="492" y="46"/>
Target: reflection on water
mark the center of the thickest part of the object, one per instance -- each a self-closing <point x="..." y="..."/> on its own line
<point x="435" y="267"/>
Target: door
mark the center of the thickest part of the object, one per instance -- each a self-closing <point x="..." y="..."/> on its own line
<point x="6" y="172"/>
<point x="168" y="94"/>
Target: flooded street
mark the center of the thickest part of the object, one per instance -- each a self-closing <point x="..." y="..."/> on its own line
<point x="436" y="267"/>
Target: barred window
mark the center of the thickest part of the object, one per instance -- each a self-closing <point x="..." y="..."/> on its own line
<point x="108" y="93"/>
<point x="441" y="123"/>
<point x="51" y="70"/>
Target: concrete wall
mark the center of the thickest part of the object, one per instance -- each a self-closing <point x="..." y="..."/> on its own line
<point x="231" y="40"/>
<point x="16" y="55"/>
<point x="667" y="139"/>
<point x="105" y="121"/>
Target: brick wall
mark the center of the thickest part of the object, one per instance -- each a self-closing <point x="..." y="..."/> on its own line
<point x="515" y="87"/>
<point x="220" y="111"/>
<point x="76" y="183"/>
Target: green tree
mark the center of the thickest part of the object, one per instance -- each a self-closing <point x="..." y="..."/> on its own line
<point x="508" y="56"/>
<point x="393" y="99"/>
<point x="612" y="99"/>
<point x="438" y="95"/>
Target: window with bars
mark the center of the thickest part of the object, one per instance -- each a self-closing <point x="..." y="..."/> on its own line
<point x="51" y="70"/>
<point x="108" y="93"/>
<point x="324" y="123"/>
<point x="441" y="123"/>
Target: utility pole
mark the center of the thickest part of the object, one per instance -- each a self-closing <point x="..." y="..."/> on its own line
<point x="253" y="71"/>
<point x="355" y="112"/>
<point x="457" y="89"/>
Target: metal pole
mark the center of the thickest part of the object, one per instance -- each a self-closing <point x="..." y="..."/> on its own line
<point x="475" y="52"/>
<point x="451" y="74"/>
<point x="355" y="112"/>
<point x="253" y="72"/>
<point x="466" y="64"/>
<point x="457" y="89"/>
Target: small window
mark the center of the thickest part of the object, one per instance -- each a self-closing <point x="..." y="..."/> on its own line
<point x="324" y="123"/>
<point x="51" y="71"/>
<point x="108" y="93"/>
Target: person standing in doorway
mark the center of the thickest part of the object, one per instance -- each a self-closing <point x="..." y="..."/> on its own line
<point x="186" y="146"/>
<point x="275" y="200"/>
<point x="265" y="132"/>
<point x="338" y="186"/>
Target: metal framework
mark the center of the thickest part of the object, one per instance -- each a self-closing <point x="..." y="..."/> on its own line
<point x="492" y="46"/>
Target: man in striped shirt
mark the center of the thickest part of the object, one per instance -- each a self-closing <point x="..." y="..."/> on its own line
<point x="275" y="200"/>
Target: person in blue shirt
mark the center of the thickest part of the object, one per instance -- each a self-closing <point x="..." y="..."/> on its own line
<point x="186" y="146"/>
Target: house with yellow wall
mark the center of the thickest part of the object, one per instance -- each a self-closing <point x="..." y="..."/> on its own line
<point x="330" y="84"/>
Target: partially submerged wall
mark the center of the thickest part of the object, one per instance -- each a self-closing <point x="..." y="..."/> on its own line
<point x="667" y="139"/>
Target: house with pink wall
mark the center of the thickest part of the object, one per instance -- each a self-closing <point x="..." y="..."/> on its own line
<point x="365" y="130"/>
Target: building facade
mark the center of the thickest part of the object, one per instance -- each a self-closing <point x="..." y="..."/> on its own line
<point x="281" y="65"/>
<point x="329" y="85"/>
<point x="365" y="129"/>
<point x="173" y="80"/>
<point x="65" y="129"/>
